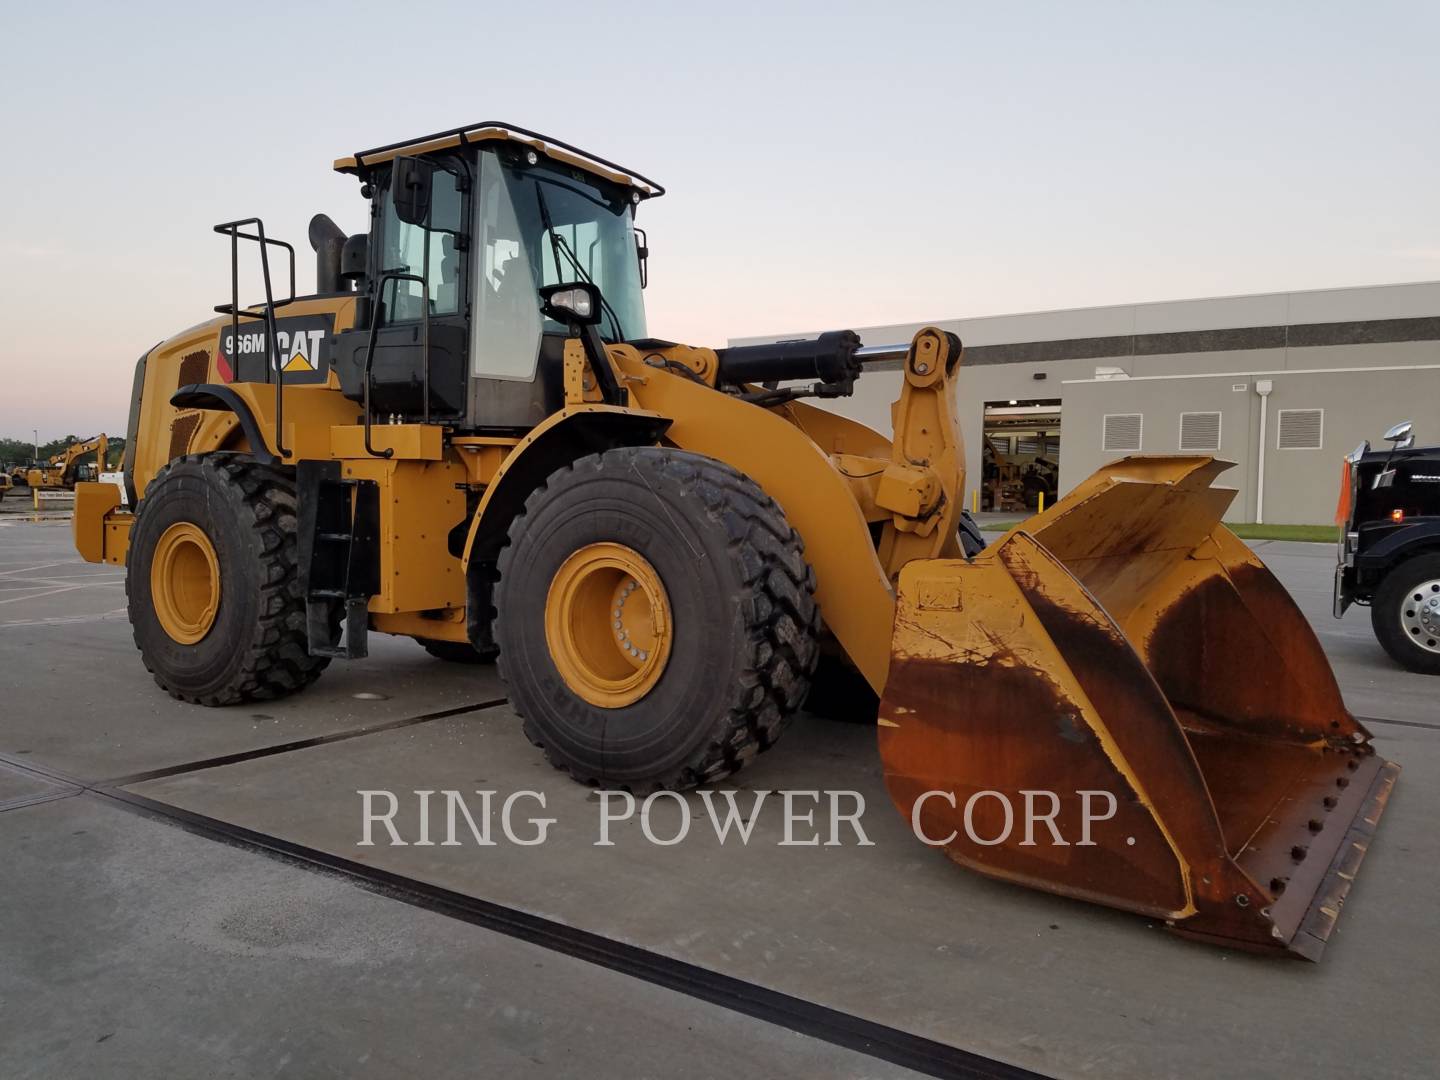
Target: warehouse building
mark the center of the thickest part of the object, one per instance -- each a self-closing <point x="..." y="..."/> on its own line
<point x="1282" y="384"/>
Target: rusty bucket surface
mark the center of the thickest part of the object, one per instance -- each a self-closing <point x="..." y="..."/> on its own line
<point x="1118" y="702"/>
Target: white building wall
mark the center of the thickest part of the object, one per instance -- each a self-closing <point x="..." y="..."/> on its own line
<point x="1353" y="383"/>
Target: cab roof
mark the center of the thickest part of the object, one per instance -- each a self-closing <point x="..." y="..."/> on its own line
<point x="499" y="131"/>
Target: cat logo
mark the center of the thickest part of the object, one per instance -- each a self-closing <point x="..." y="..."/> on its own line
<point x="300" y="349"/>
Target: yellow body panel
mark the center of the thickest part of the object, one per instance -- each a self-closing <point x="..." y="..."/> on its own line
<point x="447" y="625"/>
<point x="165" y="432"/>
<point x="414" y="442"/>
<point x="96" y="511"/>
<point x="419" y="506"/>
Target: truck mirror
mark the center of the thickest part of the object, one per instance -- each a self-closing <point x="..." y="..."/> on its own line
<point x="1399" y="432"/>
<point x="410" y="182"/>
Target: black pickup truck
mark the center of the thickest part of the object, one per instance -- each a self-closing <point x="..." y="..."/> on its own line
<point x="1389" y="556"/>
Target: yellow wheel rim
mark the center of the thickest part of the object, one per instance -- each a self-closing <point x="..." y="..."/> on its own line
<point x="185" y="582"/>
<point x="608" y="624"/>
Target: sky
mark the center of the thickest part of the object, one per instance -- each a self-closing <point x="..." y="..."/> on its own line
<point x="829" y="165"/>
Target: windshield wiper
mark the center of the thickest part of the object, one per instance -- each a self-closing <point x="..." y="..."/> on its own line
<point x="559" y="244"/>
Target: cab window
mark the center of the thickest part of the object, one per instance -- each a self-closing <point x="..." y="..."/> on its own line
<point x="405" y="247"/>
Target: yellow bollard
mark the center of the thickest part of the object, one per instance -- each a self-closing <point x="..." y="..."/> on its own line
<point x="1041" y="510"/>
<point x="975" y="501"/>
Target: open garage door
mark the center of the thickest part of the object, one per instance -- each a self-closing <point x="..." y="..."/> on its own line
<point x="1021" y="454"/>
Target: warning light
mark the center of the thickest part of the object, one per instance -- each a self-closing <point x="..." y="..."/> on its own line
<point x="1397" y="515"/>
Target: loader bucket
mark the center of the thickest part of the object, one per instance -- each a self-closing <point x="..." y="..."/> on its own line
<point x="1117" y="702"/>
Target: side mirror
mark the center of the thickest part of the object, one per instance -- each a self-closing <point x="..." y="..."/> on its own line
<point x="575" y="304"/>
<point x="642" y="255"/>
<point x="1399" y="432"/>
<point x="1406" y="443"/>
<point x="410" y="183"/>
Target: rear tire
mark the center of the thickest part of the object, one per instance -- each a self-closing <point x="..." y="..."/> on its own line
<point x="455" y="652"/>
<point x="253" y="646"/>
<point x="742" y="622"/>
<point x="1402" y="616"/>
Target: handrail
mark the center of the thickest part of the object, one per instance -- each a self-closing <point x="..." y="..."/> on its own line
<point x="233" y="309"/>
<point x="395" y="276"/>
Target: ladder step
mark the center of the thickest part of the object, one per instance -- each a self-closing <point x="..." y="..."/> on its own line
<point x="329" y="594"/>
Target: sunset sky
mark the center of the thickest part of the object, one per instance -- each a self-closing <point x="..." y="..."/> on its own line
<point x="829" y="164"/>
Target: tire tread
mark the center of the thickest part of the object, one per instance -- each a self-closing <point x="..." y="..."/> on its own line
<point x="277" y="662"/>
<point x="781" y="616"/>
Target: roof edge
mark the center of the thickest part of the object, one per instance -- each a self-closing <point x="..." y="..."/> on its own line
<point x="499" y="131"/>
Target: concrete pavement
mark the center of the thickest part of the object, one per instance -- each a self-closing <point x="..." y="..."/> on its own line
<point x="891" y="932"/>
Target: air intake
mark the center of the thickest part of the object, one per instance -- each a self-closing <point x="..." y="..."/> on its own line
<point x="1301" y="429"/>
<point x="1122" y="432"/>
<point x="1199" y="431"/>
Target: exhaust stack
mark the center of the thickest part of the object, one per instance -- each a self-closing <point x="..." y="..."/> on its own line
<point x="328" y="240"/>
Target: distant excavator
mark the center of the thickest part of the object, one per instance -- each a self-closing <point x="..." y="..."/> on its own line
<point x="64" y="469"/>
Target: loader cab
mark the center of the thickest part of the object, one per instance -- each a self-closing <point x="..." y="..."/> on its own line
<point x="461" y="242"/>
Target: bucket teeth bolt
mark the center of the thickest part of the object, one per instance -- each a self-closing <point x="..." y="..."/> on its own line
<point x="1277" y="885"/>
<point x="1330" y="802"/>
<point x="1316" y="824"/>
<point x="1342" y="781"/>
<point x="1298" y="852"/>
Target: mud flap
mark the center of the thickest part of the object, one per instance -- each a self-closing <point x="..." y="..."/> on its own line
<point x="1117" y="702"/>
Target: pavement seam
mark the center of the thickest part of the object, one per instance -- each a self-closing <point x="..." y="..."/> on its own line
<point x="821" y="1022"/>
<point x="240" y="756"/>
<point x="36" y="800"/>
<point x="245" y="755"/>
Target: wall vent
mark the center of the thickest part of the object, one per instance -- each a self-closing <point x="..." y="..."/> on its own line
<point x="1300" y="429"/>
<point x="1122" y="432"/>
<point x="1199" y="431"/>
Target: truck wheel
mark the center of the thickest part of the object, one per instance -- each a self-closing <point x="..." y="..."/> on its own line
<point x="214" y="598"/>
<point x="656" y="619"/>
<point x="456" y="652"/>
<point x="1405" y="613"/>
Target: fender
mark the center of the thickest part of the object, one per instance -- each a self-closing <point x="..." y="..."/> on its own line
<point x="563" y="437"/>
<point x="1411" y="538"/>
<point x="856" y="599"/>
<point x="220" y="397"/>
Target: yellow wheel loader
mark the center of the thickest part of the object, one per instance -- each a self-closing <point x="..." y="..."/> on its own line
<point x="467" y="436"/>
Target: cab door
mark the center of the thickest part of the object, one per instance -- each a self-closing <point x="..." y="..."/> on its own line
<point x="417" y="291"/>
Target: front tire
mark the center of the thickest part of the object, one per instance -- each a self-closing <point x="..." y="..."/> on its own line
<point x="1405" y="614"/>
<point x="656" y="619"/>
<point x="214" y="598"/>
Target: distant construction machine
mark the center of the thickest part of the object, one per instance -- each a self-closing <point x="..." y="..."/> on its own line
<point x="64" y="470"/>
